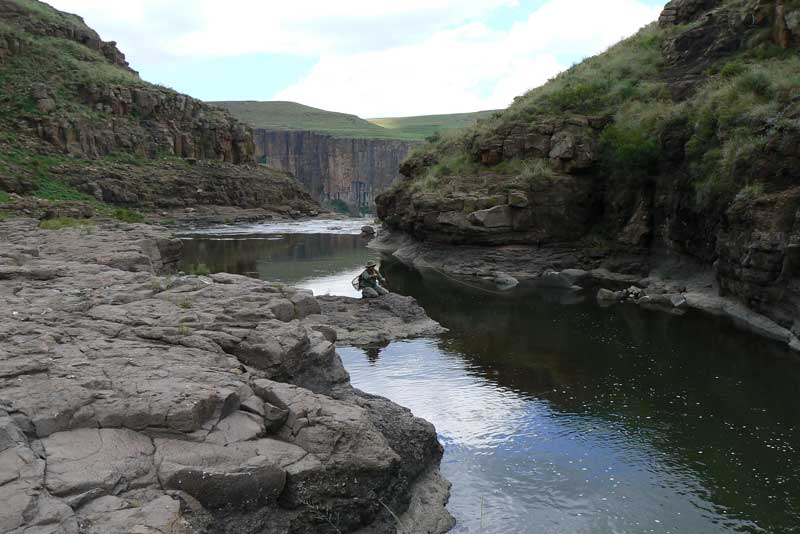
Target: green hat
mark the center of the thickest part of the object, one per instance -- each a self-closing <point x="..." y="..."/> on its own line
<point x="371" y="264"/>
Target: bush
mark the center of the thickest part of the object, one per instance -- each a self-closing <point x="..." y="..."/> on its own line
<point x="733" y="69"/>
<point x="4" y="197"/>
<point x="750" y="193"/>
<point x="127" y="215"/>
<point x="340" y="206"/>
<point x="629" y="70"/>
<point x="434" y="137"/>
<point x="50" y="189"/>
<point x="629" y="149"/>
<point x="581" y="97"/>
<point x="536" y="171"/>
<point x="458" y="164"/>
<point x="199" y="269"/>
<point x="756" y="83"/>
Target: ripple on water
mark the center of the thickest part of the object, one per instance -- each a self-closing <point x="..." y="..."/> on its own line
<point x="565" y="418"/>
<point x="532" y="467"/>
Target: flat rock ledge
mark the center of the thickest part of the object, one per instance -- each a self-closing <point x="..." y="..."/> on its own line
<point x="667" y="289"/>
<point x="136" y="402"/>
<point x="370" y="322"/>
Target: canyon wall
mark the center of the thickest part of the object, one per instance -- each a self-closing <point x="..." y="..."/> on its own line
<point x="331" y="168"/>
<point x="67" y="98"/>
<point x="678" y="144"/>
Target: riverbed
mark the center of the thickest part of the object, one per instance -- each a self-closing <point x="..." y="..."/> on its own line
<point x="558" y="415"/>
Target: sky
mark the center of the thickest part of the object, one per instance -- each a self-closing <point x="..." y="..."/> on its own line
<point x="373" y="58"/>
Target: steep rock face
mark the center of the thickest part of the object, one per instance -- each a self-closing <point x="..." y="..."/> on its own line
<point x="181" y="185"/>
<point x="628" y="219"/>
<point x="167" y="124"/>
<point x="70" y="27"/>
<point x="485" y="210"/>
<point x="331" y="168"/>
<point x="133" y="117"/>
<point x="66" y="94"/>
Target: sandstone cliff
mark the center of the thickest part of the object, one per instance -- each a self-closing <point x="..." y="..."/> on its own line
<point x="680" y="142"/>
<point x="68" y="94"/>
<point x="354" y="170"/>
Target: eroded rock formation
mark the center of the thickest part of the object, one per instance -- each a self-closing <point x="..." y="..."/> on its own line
<point x="133" y="402"/>
<point x="331" y="168"/>
<point x="686" y="192"/>
<point x="68" y="95"/>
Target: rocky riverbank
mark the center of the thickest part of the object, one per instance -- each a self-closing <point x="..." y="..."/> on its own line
<point x="670" y="159"/>
<point x="672" y="284"/>
<point x="134" y="400"/>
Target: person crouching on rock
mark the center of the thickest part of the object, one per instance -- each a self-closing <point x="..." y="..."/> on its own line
<point x="370" y="282"/>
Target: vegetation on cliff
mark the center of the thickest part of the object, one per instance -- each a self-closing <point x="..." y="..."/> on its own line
<point x="661" y="107"/>
<point x="684" y="138"/>
<point x="69" y="101"/>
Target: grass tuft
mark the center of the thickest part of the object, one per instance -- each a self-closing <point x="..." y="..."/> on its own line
<point x="199" y="269"/>
<point x="127" y="215"/>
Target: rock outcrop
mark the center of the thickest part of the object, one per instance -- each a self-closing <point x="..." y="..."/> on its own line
<point x="180" y="184"/>
<point x="366" y="322"/>
<point x="131" y="116"/>
<point x="580" y="177"/>
<point x="333" y="168"/>
<point x="133" y="402"/>
<point x="68" y="95"/>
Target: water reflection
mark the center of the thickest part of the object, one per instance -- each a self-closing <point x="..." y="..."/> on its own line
<point x="324" y="263"/>
<point x="578" y="419"/>
<point x="558" y="416"/>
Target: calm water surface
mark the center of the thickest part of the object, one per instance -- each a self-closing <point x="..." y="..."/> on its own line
<point x="558" y="416"/>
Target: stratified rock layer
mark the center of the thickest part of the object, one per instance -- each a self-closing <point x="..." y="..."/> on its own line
<point x="68" y="95"/>
<point x="573" y="207"/>
<point x="131" y="402"/>
<point x="352" y="170"/>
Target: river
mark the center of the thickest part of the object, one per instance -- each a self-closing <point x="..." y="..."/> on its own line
<point x="558" y="416"/>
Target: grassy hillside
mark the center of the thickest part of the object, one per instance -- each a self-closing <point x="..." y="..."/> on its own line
<point x="721" y="124"/>
<point x="293" y="116"/>
<point x="425" y="126"/>
<point x="70" y="104"/>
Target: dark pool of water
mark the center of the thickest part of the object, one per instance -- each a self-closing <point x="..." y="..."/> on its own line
<point x="561" y="417"/>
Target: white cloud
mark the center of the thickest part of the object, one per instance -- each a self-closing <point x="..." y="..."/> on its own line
<point x="375" y="57"/>
<point x="450" y="70"/>
<point x="150" y="30"/>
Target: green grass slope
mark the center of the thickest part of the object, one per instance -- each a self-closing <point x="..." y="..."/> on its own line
<point x="740" y="96"/>
<point x="278" y="115"/>
<point x="293" y="116"/>
<point x="424" y="126"/>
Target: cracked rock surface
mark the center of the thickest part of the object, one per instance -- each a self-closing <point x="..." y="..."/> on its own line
<point x="137" y="402"/>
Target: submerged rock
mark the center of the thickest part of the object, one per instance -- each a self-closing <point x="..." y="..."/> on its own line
<point x="606" y="297"/>
<point x="505" y="281"/>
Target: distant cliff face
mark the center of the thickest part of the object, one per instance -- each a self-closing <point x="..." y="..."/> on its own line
<point x="331" y="168"/>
